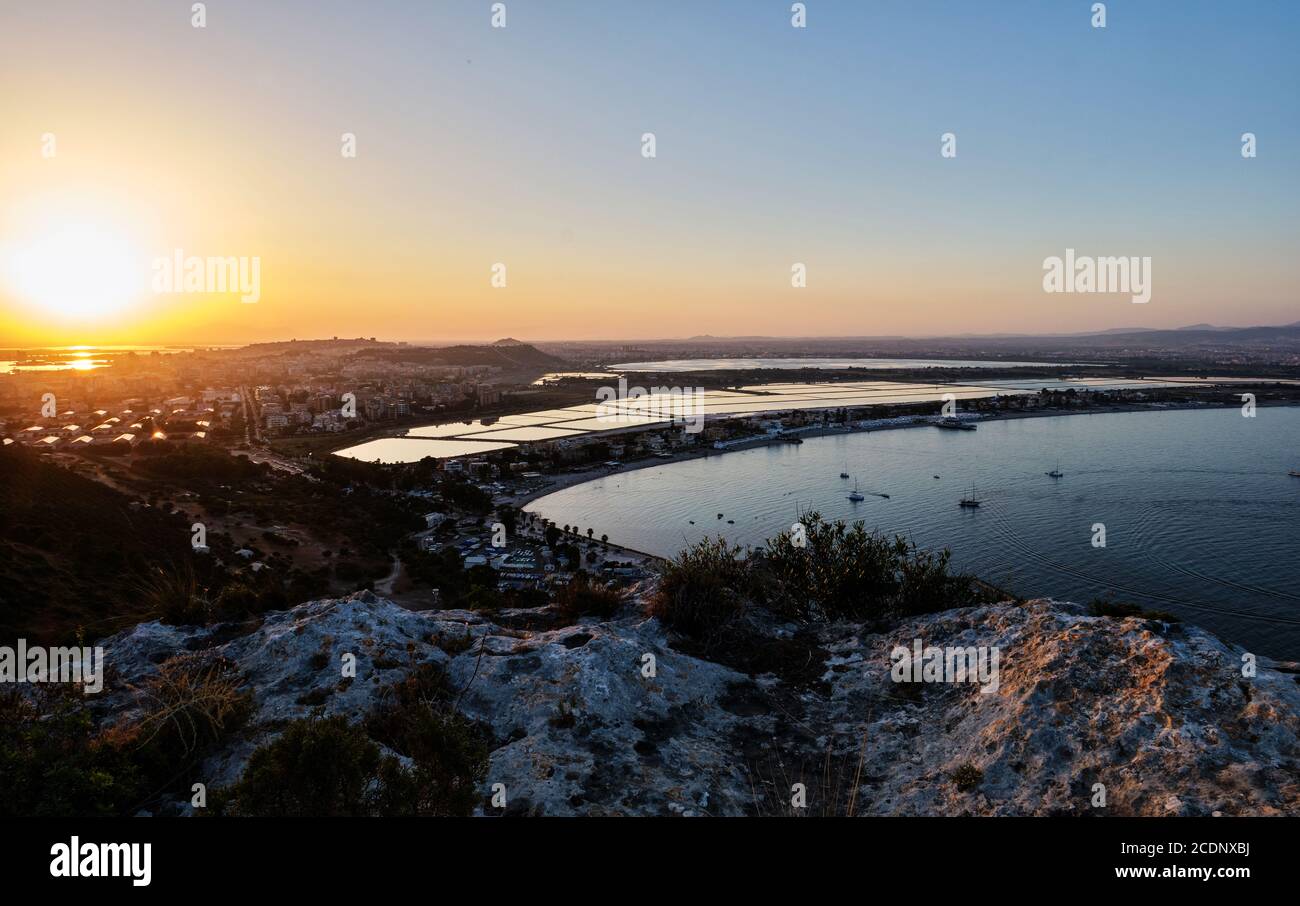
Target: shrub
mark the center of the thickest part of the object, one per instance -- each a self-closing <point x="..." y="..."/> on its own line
<point x="846" y="572"/>
<point x="583" y="597"/>
<point x="449" y="753"/>
<point x="316" y="767"/>
<point x="966" y="777"/>
<point x="201" y="464"/>
<point x="466" y="496"/>
<point x="454" y="644"/>
<point x="175" y="595"/>
<point x="1105" y="607"/>
<point x="54" y="764"/>
<point x="835" y="572"/>
<point x="703" y="591"/>
<point x="191" y="703"/>
<point x="327" y="767"/>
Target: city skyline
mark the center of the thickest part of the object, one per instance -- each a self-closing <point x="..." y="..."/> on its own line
<point x="775" y="147"/>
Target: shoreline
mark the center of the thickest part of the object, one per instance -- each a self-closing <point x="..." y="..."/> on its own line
<point x="568" y="480"/>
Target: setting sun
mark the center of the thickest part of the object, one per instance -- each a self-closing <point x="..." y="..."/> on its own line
<point x="81" y="271"/>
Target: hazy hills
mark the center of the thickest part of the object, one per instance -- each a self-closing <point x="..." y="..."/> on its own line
<point x="505" y="354"/>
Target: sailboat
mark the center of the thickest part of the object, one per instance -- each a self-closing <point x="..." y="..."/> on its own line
<point x="856" y="496"/>
<point x="1294" y="473"/>
<point x="969" y="501"/>
<point x="1056" y="473"/>
<point x="844" y="473"/>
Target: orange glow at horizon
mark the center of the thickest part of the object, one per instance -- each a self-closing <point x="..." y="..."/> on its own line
<point x="517" y="160"/>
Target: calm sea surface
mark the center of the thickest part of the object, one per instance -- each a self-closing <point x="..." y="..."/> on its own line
<point x="1201" y="518"/>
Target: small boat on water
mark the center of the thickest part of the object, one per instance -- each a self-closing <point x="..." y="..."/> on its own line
<point x="856" y="496"/>
<point x="1294" y="473"/>
<point x="954" y="424"/>
<point x="970" y="501"/>
<point x="1056" y="473"/>
<point x="844" y="473"/>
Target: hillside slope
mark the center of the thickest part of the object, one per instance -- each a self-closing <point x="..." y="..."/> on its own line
<point x="72" y="551"/>
<point x="1160" y="714"/>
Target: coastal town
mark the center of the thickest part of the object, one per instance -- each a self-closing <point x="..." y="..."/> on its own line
<point x="286" y="410"/>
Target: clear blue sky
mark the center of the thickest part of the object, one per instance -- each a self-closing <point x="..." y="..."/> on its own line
<point x="775" y="145"/>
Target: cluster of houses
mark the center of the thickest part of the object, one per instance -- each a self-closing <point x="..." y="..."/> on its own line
<point x="519" y="564"/>
<point x="181" y="420"/>
<point x="312" y="408"/>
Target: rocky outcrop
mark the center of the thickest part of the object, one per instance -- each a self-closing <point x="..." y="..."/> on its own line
<point x="612" y="718"/>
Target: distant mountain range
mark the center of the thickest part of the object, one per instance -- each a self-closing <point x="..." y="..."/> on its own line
<point x="1191" y="335"/>
<point x="1194" y="335"/>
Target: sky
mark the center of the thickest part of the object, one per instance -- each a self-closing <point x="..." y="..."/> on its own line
<point x="522" y="146"/>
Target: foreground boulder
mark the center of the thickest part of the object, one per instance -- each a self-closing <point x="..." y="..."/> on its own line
<point x="611" y="718"/>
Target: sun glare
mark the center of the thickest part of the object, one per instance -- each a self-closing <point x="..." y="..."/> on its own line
<point x="74" y="271"/>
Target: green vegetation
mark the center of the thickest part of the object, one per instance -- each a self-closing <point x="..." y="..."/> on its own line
<point x="846" y="572"/>
<point x="55" y="761"/>
<point x="584" y="597"/>
<point x="966" y="777"/>
<point x="466" y="496"/>
<point x="835" y="571"/>
<point x="449" y="754"/>
<point x="78" y="556"/>
<point x="203" y="464"/>
<point x="1105" y="607"/>
<point x="328" y="767"/>
<point x="175" y="594"/>
<point x="472" y="589"/>
<point x="72" y="549"/>
<point x="705" y="590"/>
<point x="319" y="768"/>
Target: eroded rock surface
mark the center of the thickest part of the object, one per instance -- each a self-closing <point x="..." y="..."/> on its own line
<point x="585" y="723"/>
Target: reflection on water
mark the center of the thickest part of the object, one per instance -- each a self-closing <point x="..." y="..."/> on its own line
<point x="1201" y="517"/>
<point x="554" y="377"/>
<point x="72" y="358"/>
<point x="414" y="449"/>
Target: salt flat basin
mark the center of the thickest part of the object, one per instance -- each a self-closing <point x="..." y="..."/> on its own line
<point x="470" y="438"/>
<point x="414" y="449"/>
